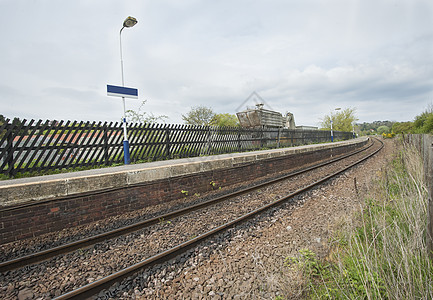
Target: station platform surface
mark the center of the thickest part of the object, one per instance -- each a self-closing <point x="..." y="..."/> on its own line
<point x="23" y="190"/>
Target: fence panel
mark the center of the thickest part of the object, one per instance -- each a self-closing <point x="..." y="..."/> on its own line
<point x="37" y="146"/>
<point x="424" y="144"/>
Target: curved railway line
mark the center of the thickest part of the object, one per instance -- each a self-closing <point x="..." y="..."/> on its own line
<point x="181" y="229"/>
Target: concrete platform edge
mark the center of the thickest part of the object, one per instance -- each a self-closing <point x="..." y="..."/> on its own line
<point x="19" y="191"/>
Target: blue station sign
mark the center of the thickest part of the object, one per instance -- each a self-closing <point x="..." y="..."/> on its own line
<point x="121" y="91"/>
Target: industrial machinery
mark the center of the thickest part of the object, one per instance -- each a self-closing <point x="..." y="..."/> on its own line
<point x="260" y="117"/>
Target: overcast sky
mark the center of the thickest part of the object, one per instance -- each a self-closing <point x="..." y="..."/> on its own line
<point x="307" y="57"/>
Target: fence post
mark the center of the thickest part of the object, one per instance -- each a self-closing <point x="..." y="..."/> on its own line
<point x="10" y="151"/>
<point x="167" y="142"/>
<point x="428" y="174"/>
<point x="239" y="139"/>
<point x="262" y="137"/>
<point x="105" y="144"/>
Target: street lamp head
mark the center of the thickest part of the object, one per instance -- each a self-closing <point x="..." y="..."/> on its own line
<point x="129" y="22"/>
<point x="338" y="108"/>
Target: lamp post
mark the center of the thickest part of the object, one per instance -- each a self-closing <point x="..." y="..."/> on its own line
<point x="332" y="132"/>
<point x="129" y="22"/>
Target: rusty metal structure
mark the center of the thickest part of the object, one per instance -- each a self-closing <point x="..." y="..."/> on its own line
<point x="260" y="117"/>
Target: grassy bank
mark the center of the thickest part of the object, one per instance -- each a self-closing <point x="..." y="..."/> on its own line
<point x="381" y="253"/>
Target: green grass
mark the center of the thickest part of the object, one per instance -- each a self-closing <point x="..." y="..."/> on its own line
<point x="384" y="255"/>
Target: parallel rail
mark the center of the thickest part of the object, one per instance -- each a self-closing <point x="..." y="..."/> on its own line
<point x="106" y="282"/>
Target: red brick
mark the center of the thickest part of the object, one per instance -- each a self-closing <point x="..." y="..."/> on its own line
<point x="54" y="209"/>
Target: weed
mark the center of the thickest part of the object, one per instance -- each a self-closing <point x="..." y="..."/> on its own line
<point x="213" y="184"/>
<point x="162" y="221"/>
<point x="382" y="253"/>
<point x="307" y="263"/>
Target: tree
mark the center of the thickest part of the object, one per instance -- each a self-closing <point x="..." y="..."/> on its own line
<point x="372" y="128"/>
<point x="404" y="127"/>
<point x="424" y="122"/>
<point x="199" y="115"/>
<point x="341" y="120"/>
<point x="225" y="120"/>
<point x="383" y="129"/>
<point x="142" y="116"/>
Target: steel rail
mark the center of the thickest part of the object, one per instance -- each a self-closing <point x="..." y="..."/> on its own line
<point x="86" y="242"/>
<point x="104" y="283"/>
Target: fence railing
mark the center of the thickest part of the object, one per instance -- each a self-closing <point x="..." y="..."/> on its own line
<point x="424" y="144"/>
<point x="35" y="146"/>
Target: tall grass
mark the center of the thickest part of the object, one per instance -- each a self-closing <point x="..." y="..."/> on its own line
<point x="382" y="253"/>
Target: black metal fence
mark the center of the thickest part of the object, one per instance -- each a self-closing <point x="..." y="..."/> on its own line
<point x="35" y="146"/>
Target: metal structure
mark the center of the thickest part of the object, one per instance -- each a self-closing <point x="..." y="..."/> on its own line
<point x="129" y="22"/>
<point x="260" y="117"/>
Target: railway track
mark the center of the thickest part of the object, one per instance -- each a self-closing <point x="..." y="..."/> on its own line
<point x="260" y="198"/>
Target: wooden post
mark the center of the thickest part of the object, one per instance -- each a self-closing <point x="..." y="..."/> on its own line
<point x="105" y="147"/>
<point x="239" y="139"/>
<point x="428" y="173"/>
<point x="167" y="142"/>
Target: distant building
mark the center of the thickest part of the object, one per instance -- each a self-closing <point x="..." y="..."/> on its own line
<point x="260" y="117"/>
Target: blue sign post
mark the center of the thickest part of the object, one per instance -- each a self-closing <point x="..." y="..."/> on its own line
<point x="121" y="91"/>
<point x="124" y="92"/>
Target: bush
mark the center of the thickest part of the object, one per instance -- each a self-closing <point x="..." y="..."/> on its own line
<point x="388" y="135"/>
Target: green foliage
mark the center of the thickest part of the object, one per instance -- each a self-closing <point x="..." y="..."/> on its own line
<point x="199" y="116"/>
<point x="424" y="122"/>
<point x="225" y="120"/>
<point x="383" y="129"/>
<point x="388" y="135"/>
<point x="213" y="184"/>
<point x="403" y="127"/>
<point x="372" y="128"/>
<point x="16" y="122"/>
<point x="163" y="222"/>
<point x="385" y="255"/>
<point x="141" y="116"/>
<point x="307" y="263"/>
<point x="341" y="120"/>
